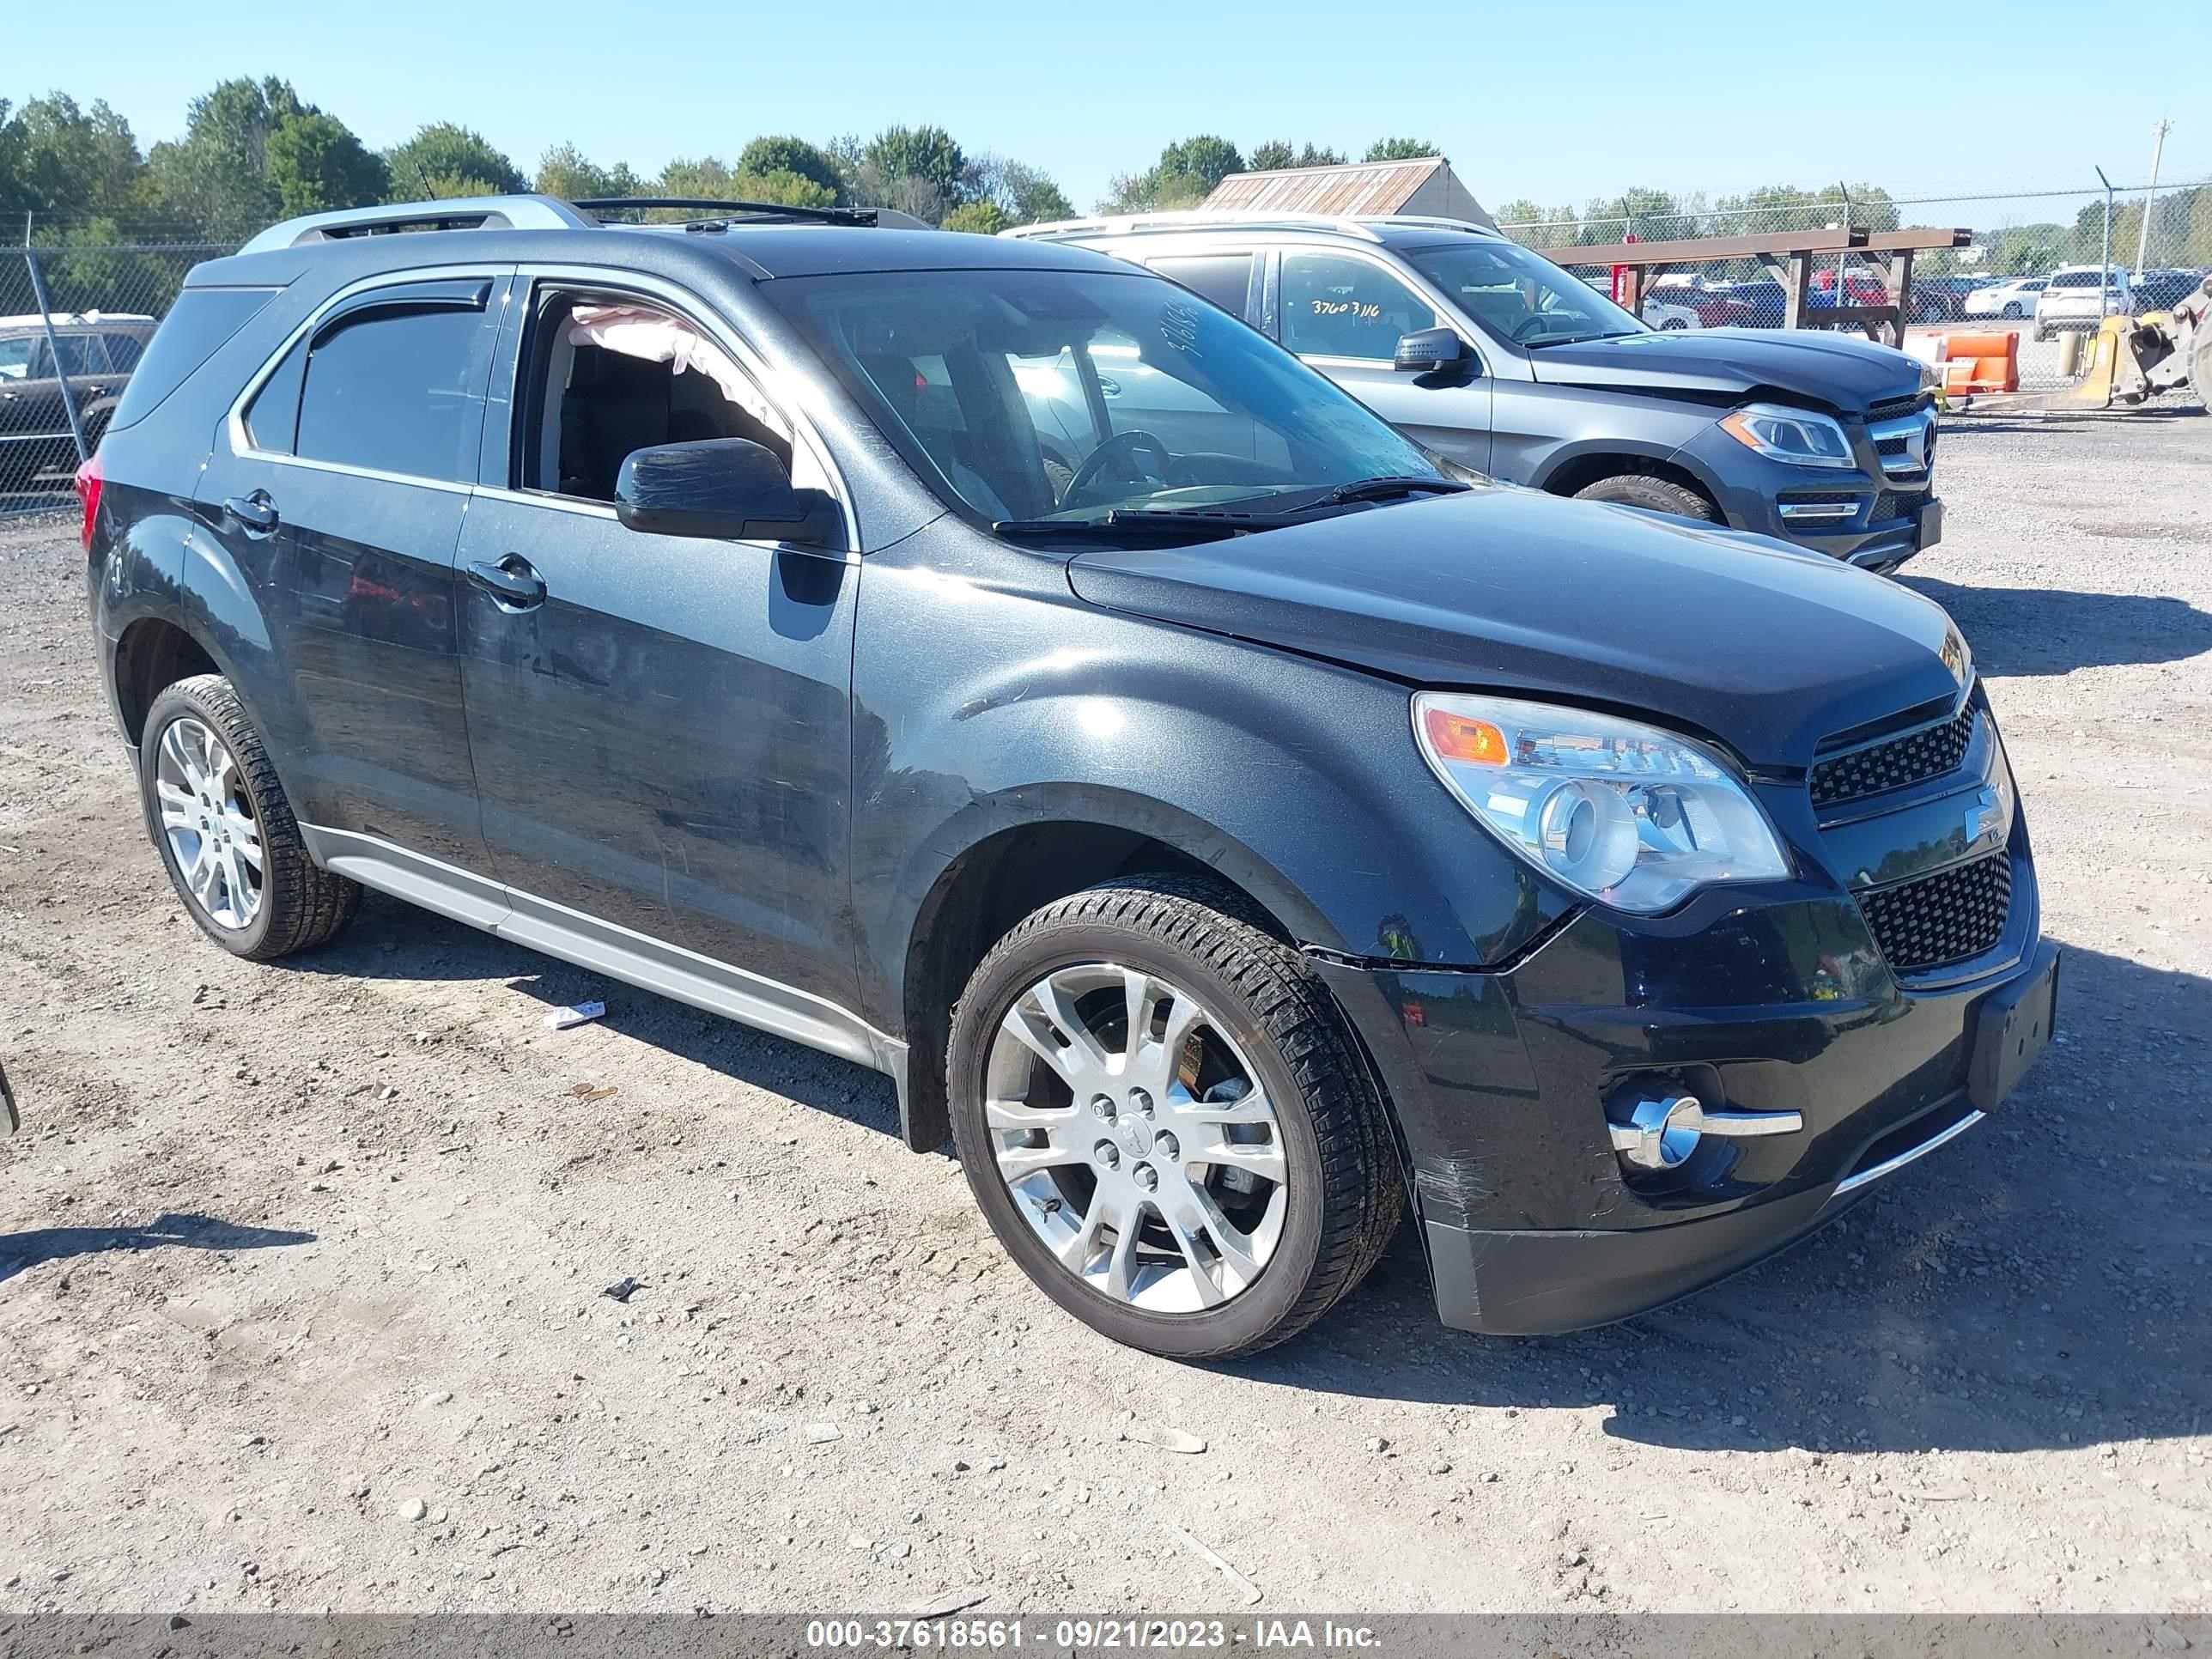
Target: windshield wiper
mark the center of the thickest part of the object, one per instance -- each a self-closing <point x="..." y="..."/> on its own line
<point x="1122" y="525"/>
<point x="1381" y="490"/>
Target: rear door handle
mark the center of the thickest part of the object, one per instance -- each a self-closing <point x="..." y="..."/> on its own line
<point x="257" y="512"/>
<point x="512" y="582"/>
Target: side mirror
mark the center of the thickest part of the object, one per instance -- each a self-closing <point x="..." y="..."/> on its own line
<point x="1428" y="350"/>
<point x="725" y="489"/>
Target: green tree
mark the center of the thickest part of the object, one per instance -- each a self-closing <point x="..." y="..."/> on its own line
<point x="215" y="178"/>
<point x="1184" y="176"/>
<point x="1277" y="154"/>
<point x="313" y="162"/>
<point x="1400" y="149"/>
<point x="566" y="173"/>
<point x="783" y="187"/>
<point x="765" y="157"/>
<point x="1023" y="195"/>
<point x="984" y="218"/>
<point x="444" y="159"/>
<point x="58" y="159"/>
<point x="1205" y="160"/>
<point x="927" y="154"/>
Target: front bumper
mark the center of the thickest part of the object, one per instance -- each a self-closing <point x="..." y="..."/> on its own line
<point x="1861" y="515"/>
<point x="1498" y="1080"/>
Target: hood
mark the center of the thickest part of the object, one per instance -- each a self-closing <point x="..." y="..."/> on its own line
<point x="1830" y="369"/>
<point x="1734" y="637"/>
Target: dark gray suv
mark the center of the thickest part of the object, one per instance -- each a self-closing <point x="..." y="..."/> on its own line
<point x="1229" y="830"/>
<point x="1497" y="358"/>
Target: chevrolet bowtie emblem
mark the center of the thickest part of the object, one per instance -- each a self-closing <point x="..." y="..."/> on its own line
<point x="1980" y="812"/>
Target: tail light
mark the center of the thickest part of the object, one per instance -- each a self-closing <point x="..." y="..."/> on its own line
<point x="88" y="481"/>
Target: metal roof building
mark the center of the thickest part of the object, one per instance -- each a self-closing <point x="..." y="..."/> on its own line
<point x="1424" y="187"/>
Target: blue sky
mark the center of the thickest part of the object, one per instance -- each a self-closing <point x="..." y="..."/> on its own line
<point x="1560" y="102"/>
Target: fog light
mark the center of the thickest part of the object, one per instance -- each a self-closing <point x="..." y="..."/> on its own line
<point x="1656" y="1126"/>
<point x="1657" y="1134"/>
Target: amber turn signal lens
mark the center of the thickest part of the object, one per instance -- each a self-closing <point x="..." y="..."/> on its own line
<point x="1456" y="737"/>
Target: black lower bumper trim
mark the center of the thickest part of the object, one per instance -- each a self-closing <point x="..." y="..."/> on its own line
<point x="1538" y="1283"/>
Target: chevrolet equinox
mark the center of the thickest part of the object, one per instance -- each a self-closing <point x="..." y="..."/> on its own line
<point x="1229" y="832"/>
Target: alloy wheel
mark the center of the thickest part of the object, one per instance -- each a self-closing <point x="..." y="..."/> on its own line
<point x="209" y="824"/>
<point x="1136" y="1138"/>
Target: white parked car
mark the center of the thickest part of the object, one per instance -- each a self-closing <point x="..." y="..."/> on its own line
<point x="2013" y="299"/>
<point x="2079" y="297"/>
<point x="1657" y="313"/>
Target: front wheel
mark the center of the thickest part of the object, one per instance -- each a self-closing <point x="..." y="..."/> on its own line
<point x="1653" y="495"/>
<point x="1165" y="1123"/>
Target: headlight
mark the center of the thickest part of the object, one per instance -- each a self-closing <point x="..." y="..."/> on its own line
<point x="1789" y="434"/>
<point x="1624" y="813"/>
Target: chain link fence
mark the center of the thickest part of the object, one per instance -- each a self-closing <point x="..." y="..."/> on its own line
<point x="2095" y="251"/>
<point x="74" y="321"/>
<point x="77" y="313"/>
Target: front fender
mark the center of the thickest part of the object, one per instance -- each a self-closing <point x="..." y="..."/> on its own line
<point x="1297" y="780"/>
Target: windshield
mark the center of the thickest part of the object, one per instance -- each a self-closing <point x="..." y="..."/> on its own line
<point x="1029" y="395"/>
<point x="1525" y="299"/>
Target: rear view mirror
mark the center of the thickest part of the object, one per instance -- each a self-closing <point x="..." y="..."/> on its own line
<point x="723" y="488"/>
<point x="1427" y="350"/>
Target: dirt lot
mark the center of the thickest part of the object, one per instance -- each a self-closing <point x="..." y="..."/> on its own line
<point x="301" y="1266"/>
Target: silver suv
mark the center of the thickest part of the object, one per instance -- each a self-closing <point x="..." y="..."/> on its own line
<point x="1489" y="354"/>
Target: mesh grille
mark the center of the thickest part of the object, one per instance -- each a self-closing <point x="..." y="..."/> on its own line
<point x="1949" y="917"/>
<point x="1928" y="753"/>
<point x="1891" y="408"/>
<point x="1896" y="504"/>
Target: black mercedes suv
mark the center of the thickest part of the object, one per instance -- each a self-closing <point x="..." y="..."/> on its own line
<point x="1229" y="832"/>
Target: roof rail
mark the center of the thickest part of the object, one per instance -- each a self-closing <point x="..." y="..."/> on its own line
<point x="464" y="213"/>
<point x="1137" y="224"/>
<point x="829" y="215"/>
<point x="1362" y="225"/>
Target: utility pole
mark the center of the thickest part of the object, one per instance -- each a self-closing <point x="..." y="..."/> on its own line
<point x="2143" y="236"/>
<point x="2104" y="253"/>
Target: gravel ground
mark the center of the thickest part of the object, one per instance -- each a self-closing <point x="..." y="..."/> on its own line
<point x="303" y="1264"/>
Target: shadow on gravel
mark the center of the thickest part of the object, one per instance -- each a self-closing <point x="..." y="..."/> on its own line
<point x="390" y="940"/>
<point x="20" y="1252"/>
<point x="2036" y="1286"/>
<point x="2018" y="631"/>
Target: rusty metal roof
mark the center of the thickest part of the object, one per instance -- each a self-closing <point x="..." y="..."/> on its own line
<point x="1360" y="187"/>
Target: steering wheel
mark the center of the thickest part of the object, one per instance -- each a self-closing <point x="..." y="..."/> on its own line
<point x="1538" y="323"/>
<point x="1121" y="446"/>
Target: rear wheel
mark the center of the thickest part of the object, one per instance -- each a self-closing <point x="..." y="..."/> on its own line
<point x="2012" y="309"/>
<point x="1165" y="1123"/>
<point x="1654" y="494"/>
<point x="225" y="831"/>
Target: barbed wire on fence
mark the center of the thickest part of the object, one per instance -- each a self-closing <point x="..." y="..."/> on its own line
<point x="108" y="279"/>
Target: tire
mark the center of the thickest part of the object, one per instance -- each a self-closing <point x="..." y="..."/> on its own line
<point x="1219" y="997"/>
<point x="290" y="903"/>
<point x="2012" y="310"/>
<point x="1654" y="494"/>
<point x="1673" y="323"/>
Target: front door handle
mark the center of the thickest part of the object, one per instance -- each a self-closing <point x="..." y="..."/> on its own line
<point x="511" y="582"/>
<point x="257" y="512"/>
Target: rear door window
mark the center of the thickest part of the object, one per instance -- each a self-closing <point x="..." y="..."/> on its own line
<point x="396" y="385"/>
<point x="1224" y="278"/>
<point x="1335" y="305"/>
<point x="202" y="320"/>
<point x="15" y="358"/>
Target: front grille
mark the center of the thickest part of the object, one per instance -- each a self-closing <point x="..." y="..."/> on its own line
<point x="1891" y="408"/>
<point x="1927" y="753"/>
<point x="1952" y="916"/>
